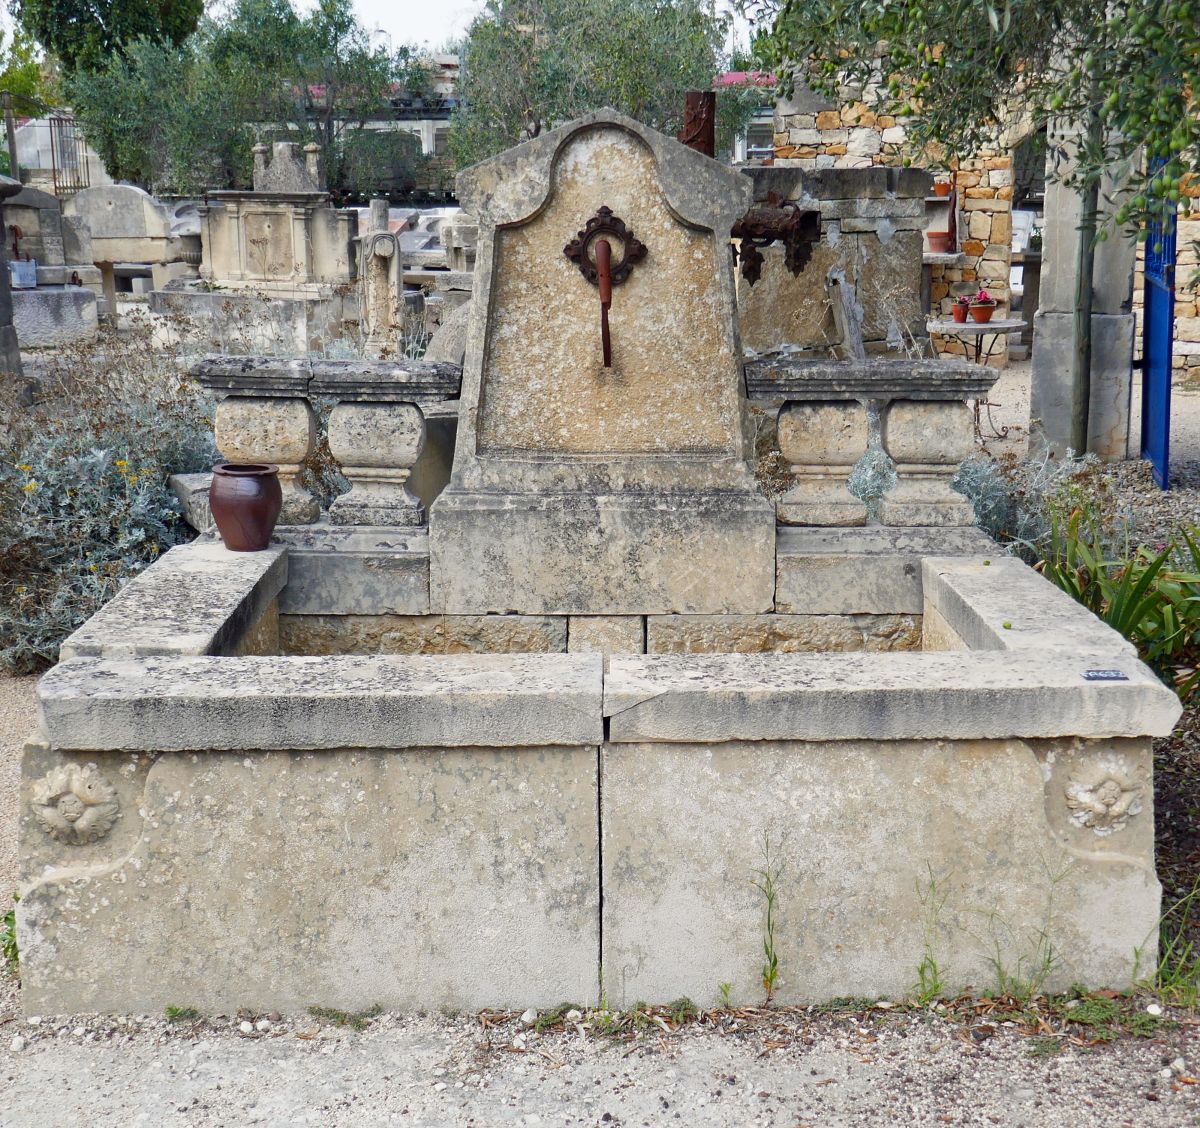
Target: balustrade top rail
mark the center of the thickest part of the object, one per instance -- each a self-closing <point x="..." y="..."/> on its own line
<point x="381" y="381"/>
<point x="782" y="376"/>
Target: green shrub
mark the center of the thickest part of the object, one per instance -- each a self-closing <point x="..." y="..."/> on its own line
<point x="84" y="502"/>
<point x="1150" y="597"/>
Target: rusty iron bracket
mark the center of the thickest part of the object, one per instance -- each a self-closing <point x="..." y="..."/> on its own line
<point x="627" y="251"/>
<point x="776" y="220"/>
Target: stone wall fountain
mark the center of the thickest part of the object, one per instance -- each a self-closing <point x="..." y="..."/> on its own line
<point x="527" y="743"/>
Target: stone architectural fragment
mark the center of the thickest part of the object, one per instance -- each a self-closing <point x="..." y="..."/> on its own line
<point x="622" y="490"/>
<point x="927" y="441"/>
<point x="272" y="430"/>
<point x="822" y="442"/>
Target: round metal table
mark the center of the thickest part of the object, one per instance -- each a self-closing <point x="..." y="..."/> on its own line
<point x="999" y="327"/>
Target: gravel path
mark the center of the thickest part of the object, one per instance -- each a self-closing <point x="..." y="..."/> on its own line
<point x="798" y="1070"/>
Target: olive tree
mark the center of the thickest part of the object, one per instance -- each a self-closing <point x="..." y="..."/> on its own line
<point x="528" y="65"/>
<point x="1119" y="80"/>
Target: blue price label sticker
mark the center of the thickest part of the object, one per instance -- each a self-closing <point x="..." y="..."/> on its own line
<point x="1104" y="675"/>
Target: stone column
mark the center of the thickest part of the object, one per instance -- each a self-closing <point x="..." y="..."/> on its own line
<point x="926" y="439"/>
<point x="1113" y="328"/>
<point x="10" y="350"/>
<point x="377" y="445"/>
<point x="822" y="441"/>
<point x="276" y="430"/>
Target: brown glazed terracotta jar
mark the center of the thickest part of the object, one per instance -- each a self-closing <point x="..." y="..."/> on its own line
<point x="245" y="500"/>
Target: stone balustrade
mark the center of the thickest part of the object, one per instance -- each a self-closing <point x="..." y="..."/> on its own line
<point x="376" y="427"/>
<point x="925" y="427"/>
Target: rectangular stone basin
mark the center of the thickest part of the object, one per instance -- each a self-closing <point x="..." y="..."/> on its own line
<point x="941" y="760"/>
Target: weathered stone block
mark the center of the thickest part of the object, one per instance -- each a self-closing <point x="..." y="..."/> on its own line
<point x="779" y="634"/>
<point x="606" y="634"/>
<point x="198" y="599"/>
<point x="346" y="879"/>
<point x="355" y="571"/>
<point x="860" y="833"/>
<point x="424" y="634"/>
<point x="874" y="571"/>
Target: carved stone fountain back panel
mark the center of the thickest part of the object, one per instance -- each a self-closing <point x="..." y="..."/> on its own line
<point x="673" y="383"/>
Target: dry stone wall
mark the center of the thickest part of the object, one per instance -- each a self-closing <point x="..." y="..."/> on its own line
<point x="816" y="135"/>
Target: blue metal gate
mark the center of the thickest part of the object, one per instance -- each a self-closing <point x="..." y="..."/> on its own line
<point x="1158" y="326"/>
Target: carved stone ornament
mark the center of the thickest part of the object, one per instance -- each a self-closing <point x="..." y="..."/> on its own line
<point x="75" y="804"/>
<point x="627" y="251"/>
<point x="1103" y="801"/>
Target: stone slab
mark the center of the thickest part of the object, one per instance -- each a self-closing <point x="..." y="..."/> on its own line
<point x="1112" y="368"/>
<point x="989" y="695"/>
<point x="864" y="571"/>
<point x="220" y="704"/>
<point x="798" y="378"/>
<point x="51" y="316"/>
<point x="601" y="555"/>
<point x="355" y="571"/>
<point x="1006" y="605"/>
<point x="444" y="877"/>
<point x="192" y="492"/>
<point x="424" y="634"/>
<point x="606" y="634"/>
<point x="198" y="598"/>
<point x="965" y="852"/>
<point x="780" y="634"/>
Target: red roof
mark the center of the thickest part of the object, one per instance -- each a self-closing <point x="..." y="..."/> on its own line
<point x="744" y="78"/>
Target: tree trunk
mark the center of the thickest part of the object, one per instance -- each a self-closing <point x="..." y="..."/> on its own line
<point x="1081" y="356"/>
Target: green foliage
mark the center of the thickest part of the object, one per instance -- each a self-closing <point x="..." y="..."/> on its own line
<point x="933" y="895"/>
<point x="531" y="64"/>
<point x="84" y="503"/>
<point x="86" y="35"/>
<point x="1177" y="975"/>
<point x="8" y="938"/>
<point x="1125" y="75"/>
<point x="356" y="1020"/>
<point x="1150" y="597"/>
<point x="183" y="118"/>
<point x="20" y="72"/>
<point x="182" y="1014"/>
<point x="765" y="882"/>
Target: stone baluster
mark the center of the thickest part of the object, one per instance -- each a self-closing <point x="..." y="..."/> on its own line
<point x="822" y="441"/>
<point x="926" y="439"/>
<point x="377" y="431"/>
<point x="263" y="416"/>
<point x="275" y="430"/>
<point x="377" y="445"/>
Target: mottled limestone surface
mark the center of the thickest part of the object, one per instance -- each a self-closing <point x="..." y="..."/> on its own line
<point x="606" y="634"/>
<point x="963" y="852"/>
<point x="622" y="490"/>
<point x="355" y="571"/>
<point x="715" y="697"/>
<point x="780" y="634"/>
<point x="455" y="877"/>
<point x="864" y="571"/>
<point x="378" y="701"/>
<point x="198" y="599"/>
<point x="424" y="634"/>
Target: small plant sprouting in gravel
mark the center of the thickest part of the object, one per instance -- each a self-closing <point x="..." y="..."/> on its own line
<point x="359" y="1020"/>
<point x="8" y="938"/>
<point x="765" y="883"/>
<point x="725" y="988"/>
<point x="682" y="1010"/>
<point x="183" y="1014"/>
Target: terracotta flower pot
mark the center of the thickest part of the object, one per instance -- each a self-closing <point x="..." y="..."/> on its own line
<point x="958" y="312"/>
<point x="941" y="188"/>
<point x="982" y="312"/>
<point x="939" y="242"/>
<point x="245" y="500"/>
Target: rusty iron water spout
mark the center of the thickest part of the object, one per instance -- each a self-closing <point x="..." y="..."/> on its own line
<point x="604" y="280"/>
<point x="605" y="252"/>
